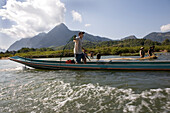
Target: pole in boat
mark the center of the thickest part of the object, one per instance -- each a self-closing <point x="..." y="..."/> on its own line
<point x="62" y="54"/>
<point x="24" y="67"/>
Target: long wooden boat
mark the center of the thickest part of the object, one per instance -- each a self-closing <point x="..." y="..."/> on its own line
<point x="144" y="58"/>
<point x="115" y="65"/>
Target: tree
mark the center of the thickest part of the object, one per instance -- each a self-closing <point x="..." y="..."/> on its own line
<point x="24" y="50"/>
<point x="166" y="42"/>
<point x="148" y="42"/>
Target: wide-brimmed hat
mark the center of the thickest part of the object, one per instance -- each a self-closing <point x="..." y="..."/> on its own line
<point x="142" y="48"/>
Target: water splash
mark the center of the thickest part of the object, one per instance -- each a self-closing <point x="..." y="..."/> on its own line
<point x="58" y="96"/>
<point x="11" y="69"/>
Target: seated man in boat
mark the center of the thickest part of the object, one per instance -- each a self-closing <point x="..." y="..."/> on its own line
<point x="153" y="50"/>
<point x="78" y="47"/>
<point x="98" y="56"/>
<point x="142" y="52"/>
<point x="91" y="54"/>
<point x="150" y="51"/>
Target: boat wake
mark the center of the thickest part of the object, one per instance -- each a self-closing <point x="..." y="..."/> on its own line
<point x="12" y="69"/>
<point x="58" y="96"/>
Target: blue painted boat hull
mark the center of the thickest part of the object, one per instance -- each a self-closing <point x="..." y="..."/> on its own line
<point x="121" y="65"/>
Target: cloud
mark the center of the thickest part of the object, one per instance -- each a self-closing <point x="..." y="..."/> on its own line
<point x="76" y="16"/>
<point x="32" y="16"/>
<point x="87" y="25"/>
<point x="165" y="28"/>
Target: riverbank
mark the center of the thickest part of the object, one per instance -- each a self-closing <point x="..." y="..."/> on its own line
<point x="44" y="53"/>
<point x="71" y="55"/>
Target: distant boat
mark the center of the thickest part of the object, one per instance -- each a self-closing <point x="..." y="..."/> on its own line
<point x="114" y="65"/>
<point x="144" y="58"/>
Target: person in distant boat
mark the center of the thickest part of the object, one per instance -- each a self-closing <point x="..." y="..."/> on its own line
<point x="150" y="51"/>
<point x="98" y="56"/>
<point x="78" y="47"/>
<point x="153" y="50"/>
<point x="142" y="52"/>
<point x="85" y="56"/>
<point x="91" y="54"/>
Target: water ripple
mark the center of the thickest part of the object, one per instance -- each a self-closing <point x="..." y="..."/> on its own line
<point x="58" y="96"/>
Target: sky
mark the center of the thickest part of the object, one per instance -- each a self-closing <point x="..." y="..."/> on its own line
<point x="114" y="19"/>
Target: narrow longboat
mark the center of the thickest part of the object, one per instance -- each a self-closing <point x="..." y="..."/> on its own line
<point x="112" y="65"/>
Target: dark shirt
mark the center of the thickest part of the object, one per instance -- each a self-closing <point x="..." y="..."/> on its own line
<point x="98" y="56"/>
<point x="150" y="51"/>
<point x="142" y="53"/>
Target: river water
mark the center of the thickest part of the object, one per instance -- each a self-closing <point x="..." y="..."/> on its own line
<point x="71" y="91"/>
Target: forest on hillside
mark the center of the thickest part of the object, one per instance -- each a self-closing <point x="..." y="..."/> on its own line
<point x="125" y="47"/>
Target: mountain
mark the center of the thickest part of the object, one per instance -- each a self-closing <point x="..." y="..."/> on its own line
<point x="159" y="37"/>
<point x="154" y="36"/>
<point x="58" y="36"/>
<point x="129" y="37"/>
<point x="2" y="50"/>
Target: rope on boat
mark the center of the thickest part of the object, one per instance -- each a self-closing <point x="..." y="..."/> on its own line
<point x="62" y="54"/>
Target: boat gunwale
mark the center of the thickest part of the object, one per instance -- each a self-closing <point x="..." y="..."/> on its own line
<point x="111" y="62"/>
<point x="79" y="66"/>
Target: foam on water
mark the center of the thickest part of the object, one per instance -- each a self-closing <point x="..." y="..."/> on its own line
<point x="12" y="69"/>
<point x="58" y="96"/>
<point x="36" y="91"/>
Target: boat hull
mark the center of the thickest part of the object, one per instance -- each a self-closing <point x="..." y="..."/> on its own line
<point x="129" y="65"/>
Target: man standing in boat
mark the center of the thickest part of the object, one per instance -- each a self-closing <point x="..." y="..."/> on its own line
<point x="78" y="47"/>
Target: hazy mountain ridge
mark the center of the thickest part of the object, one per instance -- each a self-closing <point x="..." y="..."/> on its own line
<point x="58" y="36"/>
<point x="129" y="37"/>
<point x="154" y="36"/>
<point x="159" y="37"/>
<point x="2" y="50"/>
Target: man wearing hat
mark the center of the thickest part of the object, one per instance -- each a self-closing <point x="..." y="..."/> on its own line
<point x="78" y="47"/>
<point x="142" y="52"/>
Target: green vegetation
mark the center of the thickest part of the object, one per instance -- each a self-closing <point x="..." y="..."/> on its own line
<point x="129" y="47"/>
<point x="166" y="42"/>
<point x="124" y="43"/>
